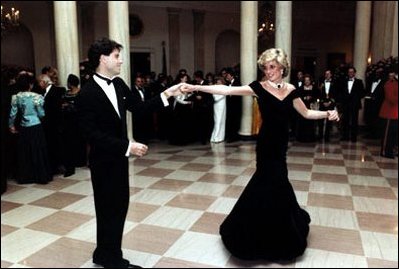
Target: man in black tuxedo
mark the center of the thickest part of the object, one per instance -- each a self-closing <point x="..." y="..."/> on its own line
<point x="372" y="104"/>
<point x="328" y="93"/>
<point x="102" y="109"/>
<point x="52" y="121"/>
<point x="142" y="121"/>
<point x="352" y="91"/>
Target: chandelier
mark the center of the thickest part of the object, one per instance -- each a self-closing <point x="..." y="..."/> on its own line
<point x="266" y="20"/>
<point x="9" y="21"/>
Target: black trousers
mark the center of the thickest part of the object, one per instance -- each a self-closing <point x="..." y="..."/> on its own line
<point x="110" y="182"/>
<point x="350" y="126"/>
<point x="390" y="138"/>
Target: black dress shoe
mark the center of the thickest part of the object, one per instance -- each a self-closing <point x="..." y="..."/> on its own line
<point x="119" y="264"/>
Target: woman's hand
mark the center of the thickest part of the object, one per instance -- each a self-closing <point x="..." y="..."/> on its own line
<point x="332" y="115"/>
<point x="187" y="88"/>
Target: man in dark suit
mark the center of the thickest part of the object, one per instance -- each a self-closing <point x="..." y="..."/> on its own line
<point x="352" y="91"/>
<point x="142" y="122"/>
<point x="102" y="109"/>
<point x="327" y="95"/>
<point x="52" y="122"/>
<point x="372" y="104"/>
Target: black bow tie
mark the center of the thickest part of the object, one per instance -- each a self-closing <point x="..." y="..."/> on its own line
<point x="109" y="81"/>
<point x="351" y="79"/>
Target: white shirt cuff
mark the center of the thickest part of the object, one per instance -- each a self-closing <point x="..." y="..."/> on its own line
<point x="164" y="99"/>
<point x="128" y="149"/>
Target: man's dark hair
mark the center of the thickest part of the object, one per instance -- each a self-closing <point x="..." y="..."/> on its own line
<point x="24" y="82"/>
<point x="230" y="71"/>
<point x="73" y="80"/>
<point x="104" y="46"/>
<point x="199" y="74"/>
<point x="46" y="69"/>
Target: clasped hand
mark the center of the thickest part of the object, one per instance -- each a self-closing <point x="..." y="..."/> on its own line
<point x="179" y="89"/>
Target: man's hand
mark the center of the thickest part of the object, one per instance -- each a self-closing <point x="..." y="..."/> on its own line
<point x="13" y="130"/>
<point x="174" y="90"/>
<point x="187" y="88"/>
<point x="138" y="149"/>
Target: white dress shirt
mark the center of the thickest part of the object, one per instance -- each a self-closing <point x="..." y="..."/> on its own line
<point x="374" y="85"/>
<point x="109" y="90"/>
<point x="350" y="84"/>
<point x="327" y="85"/>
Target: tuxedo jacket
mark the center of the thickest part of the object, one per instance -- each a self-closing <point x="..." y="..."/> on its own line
<point x="53" y="108"/>
<point x="105" y="131"/>
<point x="352" y="100"/>
<point x="378" y="94"/>
<point x="332" y="95"/>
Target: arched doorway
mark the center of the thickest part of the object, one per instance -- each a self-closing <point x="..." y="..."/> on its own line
<point x="17" y="47"/>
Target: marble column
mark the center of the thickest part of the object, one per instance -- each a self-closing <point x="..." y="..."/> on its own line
<point x="284" y="28"/>
<point x="362" y="38"/>
<point x="174" y="40"/>
<point x="118" y="21"/>
<point x="377" y="32"/>
<point x="361" y="46"/>
<point x="249" y="54"/>
<point x="389" y="20"/>
<point x="385" y="30"/>
<point x="66" y="40"/>
<point x="394" y="51"/>
<point x="199" y="40"/>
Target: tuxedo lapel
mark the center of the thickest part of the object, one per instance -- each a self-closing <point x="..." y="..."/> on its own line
<point x="104" y="98"/>
<point x="121" y="101"/>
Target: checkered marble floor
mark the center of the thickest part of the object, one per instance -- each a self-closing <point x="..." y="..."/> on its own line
<point x="180" y="195"/>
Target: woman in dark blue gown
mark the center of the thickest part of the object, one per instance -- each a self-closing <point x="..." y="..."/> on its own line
<point x="267" y="222"/>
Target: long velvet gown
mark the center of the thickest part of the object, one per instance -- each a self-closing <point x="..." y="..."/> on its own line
<point x="267" y="222"/>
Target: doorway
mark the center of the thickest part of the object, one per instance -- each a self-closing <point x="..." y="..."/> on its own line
<point x="140" y="63"/>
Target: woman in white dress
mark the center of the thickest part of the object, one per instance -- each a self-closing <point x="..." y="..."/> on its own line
<point x="219" y="115"/>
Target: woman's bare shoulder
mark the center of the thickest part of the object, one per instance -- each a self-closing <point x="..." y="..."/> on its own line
<point x="290" y="87"/>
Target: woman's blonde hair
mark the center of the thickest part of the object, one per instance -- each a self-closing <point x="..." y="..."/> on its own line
<point x="274" y="54"/>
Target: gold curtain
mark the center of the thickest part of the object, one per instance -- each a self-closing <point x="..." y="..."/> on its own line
<point x="256" y="117"/>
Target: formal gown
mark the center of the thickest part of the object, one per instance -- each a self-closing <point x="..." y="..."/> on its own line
<point x="219" y="118"/>
<point x="267" y="222"/>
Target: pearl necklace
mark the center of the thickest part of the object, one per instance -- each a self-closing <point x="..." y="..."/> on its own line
<point x="277" y="86"/>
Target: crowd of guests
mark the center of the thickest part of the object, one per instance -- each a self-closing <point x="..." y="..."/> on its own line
<point x="44" y="140"/>
<point x="192" y="117"/>
<point x="340" y="89"/>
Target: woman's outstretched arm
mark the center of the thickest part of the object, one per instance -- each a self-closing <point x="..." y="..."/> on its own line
<point x="219" y="89"/>
<point x="314" y="114"/>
